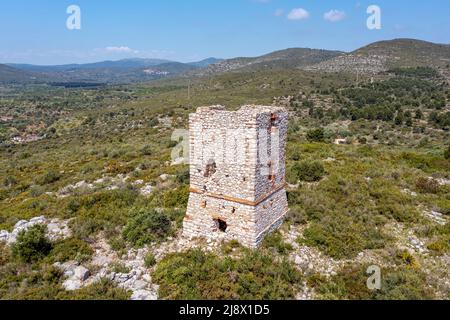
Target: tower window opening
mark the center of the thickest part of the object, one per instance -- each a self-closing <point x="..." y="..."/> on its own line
<point x="210" y="168"/>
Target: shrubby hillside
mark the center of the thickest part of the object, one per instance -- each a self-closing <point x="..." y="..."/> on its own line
<point x="91" y="203"/>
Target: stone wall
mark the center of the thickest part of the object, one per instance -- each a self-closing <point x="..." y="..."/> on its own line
<point x="237" y="170"/>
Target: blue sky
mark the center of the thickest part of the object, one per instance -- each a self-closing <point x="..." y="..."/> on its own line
<point x="189" y="30"/>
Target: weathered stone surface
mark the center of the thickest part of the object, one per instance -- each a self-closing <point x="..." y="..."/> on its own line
<point x="237" y="173"/>
<point x="81" y="273"/>
<point x="71" y="284"/>
<point x="147" y="190"/>
<point x="144" y="295"/>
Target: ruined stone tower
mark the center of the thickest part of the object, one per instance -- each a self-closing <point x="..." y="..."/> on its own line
<point x="237" y="170"/>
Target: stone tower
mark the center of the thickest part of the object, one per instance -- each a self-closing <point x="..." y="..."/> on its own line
<point x="237" y="172"/>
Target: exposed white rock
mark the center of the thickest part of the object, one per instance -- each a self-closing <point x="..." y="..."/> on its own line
<point x="409" y="192"/>
<point x="147" y="190"/>
<point x="178" y="161"/>
<point x="138" y="182"/>
<point x="144" y="295"/>
<point x="71" y="285"/>
<point x="81" y="273"/>
<point x="56" y="229"/>
<point x="4" y="235"/>
<point x="435" y="216"/>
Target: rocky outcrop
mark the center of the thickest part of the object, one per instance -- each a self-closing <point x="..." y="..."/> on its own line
<point x="56" y="229"/>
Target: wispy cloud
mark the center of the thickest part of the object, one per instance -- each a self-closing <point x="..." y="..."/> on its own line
<point x="298" y="14"/>
<point x="121" y="49"/>
<point x="334" y="15"/>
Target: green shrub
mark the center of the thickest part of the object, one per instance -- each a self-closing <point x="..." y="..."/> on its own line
<point x="339" y="236"/>
<point x="32" y="245"/>
<point x="29" y="284"/>
<point x="404" y="284"/>
<point x="147" y="150"/>
<point x="117" y="243"/>
<point x="147" y="226"/>
<point x="275" y="241"/>
<point x="48" y="178"/>
<point x="71" y="249"/>
<point x="350" y="284"/>
<point x="228" y="247"/>
<point x="36" y="191"/>
<point x="149" y="260"/>
<point x="296" y="215"/>
<point x="176" y="198"/>
<point x="447" y="153"/>
<point x="101" y="290"/>
<point x="316" y="135"/>
<point x="10" y="181"/>
<point x="309" y="171"/>
<point x="198" y="275"/>
<point x="440" y="246"/>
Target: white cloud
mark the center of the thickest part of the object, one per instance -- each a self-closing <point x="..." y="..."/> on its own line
<point x="121" y="49"/>
<point x="279" y="12"/>
<point x="298" y="14"/>
<point x="334" y="15"/>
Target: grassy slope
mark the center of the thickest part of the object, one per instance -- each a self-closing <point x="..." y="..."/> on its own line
<point x="364" y="183"/>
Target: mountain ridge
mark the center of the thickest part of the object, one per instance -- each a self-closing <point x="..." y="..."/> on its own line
<point x="373" y="58"/>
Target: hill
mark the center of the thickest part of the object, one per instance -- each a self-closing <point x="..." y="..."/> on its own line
<point x="283" y="59"/>
<point x="11" y="75"/>
<point x="384" y="55"/>
<point x="114" y="72"/>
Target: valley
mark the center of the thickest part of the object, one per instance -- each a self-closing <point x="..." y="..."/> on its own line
<point x="368" y="173"/>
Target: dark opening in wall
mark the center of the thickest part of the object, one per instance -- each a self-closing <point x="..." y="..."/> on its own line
<point x="221" y="225"/>
<point x="210" y="168"/>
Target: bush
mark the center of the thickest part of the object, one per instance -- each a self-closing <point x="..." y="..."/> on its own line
<point x="32" y="245"/>
<point x="36" y="191"/>
<point x="350" y="284"/>
<point x="275" y="241"/>
<point x="440" y="246"/>
<point x="147" y="150"/>
<point x="71" y="249"/>
<point x="9" y="181"/>
<point x="425" y="185"/>
<point x="198" y="275"/>
<point x="340" y="237"/>
<point x="49" y="177"/>
<point x="309" y="171"/>
<point x="316" y="135"/>
<point x="176" y="198"/>
<point x="149" y="260"/>
<point x="147" y="226"/>
<point x="447" y="153"/>
<point x="102" y="290"/>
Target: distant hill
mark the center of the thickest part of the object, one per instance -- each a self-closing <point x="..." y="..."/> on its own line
<point x="10" y="75"/>
<point x="121" y="71"/>
<point x="384" y="55"/>
<point x="119" y="64"/>
<point x="288" y="58"/>
<point x="205" y="63"/>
